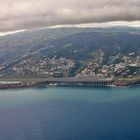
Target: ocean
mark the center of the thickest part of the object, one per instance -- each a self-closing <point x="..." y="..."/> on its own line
<point x="67" y="113"/>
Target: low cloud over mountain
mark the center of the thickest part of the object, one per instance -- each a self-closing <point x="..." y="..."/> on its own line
<point x="27" y="14"/>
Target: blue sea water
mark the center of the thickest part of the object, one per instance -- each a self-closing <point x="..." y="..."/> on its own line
<point x="59" y="113"/>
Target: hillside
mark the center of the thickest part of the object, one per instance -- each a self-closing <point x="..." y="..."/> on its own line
<point x="69" y="51"/>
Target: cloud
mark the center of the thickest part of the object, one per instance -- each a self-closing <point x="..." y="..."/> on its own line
<point x="28" y="14"/>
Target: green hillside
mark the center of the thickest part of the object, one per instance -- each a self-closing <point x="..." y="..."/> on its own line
<point x="68" y="51"/>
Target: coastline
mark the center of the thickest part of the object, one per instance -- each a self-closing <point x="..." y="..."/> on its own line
<point x="13" y="84"/>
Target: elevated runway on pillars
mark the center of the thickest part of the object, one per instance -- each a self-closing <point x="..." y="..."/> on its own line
<point x="78" y="81"/>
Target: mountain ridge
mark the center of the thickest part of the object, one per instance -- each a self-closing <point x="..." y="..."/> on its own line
<point x="76" y="44"/>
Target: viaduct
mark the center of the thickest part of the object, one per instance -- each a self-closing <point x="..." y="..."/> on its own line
<point x="91" y="82"/>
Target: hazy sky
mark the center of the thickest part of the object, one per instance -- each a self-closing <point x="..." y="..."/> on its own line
<point x="28" y="14"/>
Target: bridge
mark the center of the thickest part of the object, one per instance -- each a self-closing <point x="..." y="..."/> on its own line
<point x="91" y="82"/>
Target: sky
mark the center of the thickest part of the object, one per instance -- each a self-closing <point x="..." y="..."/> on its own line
<point x="19" y="15"/>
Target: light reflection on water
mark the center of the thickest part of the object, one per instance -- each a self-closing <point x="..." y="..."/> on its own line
<point x="26" y="96"/>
